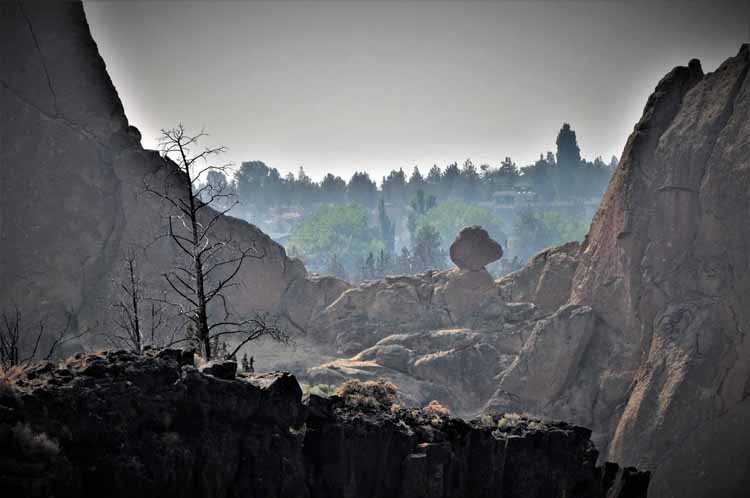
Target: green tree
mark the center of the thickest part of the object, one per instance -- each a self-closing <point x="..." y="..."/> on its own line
<point x="568" y="161"/>
<point x="534" y="231"/>
<point x="362" y="190"/>
<point x="387" y="229"/>
<point x="427" y="251"/>
<point x="333" y="189"/>
<point x="336" y="229"/>
<point x="452" y="216"/>
<point x="336" y="267"/>
<point x="420" y="204"/>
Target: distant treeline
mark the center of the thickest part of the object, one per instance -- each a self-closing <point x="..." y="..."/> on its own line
<point x="360" y="229"/>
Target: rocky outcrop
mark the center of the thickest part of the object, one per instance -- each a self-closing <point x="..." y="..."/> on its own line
<point x="116" y="424"/>
<point x="545" y="280"/>
<point x="364" y="314"/>
<point x="72" y="200"/>
<point x="664" y="378"/>
<point x="473" y="249"/>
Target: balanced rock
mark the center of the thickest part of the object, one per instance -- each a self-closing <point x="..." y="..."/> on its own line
<point x="473" y="249"/>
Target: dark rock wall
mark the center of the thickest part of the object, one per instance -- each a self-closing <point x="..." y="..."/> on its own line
<point x="114" y="424"/>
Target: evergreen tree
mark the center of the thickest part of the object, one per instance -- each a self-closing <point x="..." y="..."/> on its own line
<point x="568" y="161"/>
<point x="362" y="190"/>
<point x="387" y="229"/>
<point x="416" y="181"/>
<point x="427" y="251"/>
<point x="336" y="267"/>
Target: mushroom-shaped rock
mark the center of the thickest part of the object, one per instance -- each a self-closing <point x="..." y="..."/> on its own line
<point x="473" y="249"/>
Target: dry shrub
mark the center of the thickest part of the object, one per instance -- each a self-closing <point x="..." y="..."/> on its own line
<point x="509" y="420"/>
<point x="372" y="394"/>
<point x="8" y="378"/>
<point x="537" y="425"/>
<point x="435" y="409"/>
<point x="322" y="390"/>
<point x="34" y="444"/>
<point x="487" y="420"/>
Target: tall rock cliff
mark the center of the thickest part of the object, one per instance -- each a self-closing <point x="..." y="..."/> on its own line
<point x="72" y="200"/>
<point x="665" y="377"/>
<point x="666" y="266"/>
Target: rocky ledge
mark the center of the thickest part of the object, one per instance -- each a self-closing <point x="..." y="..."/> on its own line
<point x="116" y="424"/>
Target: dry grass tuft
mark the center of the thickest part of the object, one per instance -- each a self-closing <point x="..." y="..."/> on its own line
<point x="8" y="378"/>
<point x="435" y="409"/>
<point x="323" y="390"/>
<point x="375" y="394"/>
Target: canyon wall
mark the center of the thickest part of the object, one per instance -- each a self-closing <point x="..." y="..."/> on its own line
<point x="72" y="199"/>
<point x="639" y="332"/>
<point x="665" y="377"/>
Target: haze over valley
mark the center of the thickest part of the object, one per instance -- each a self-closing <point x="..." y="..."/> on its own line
<point x="430" y="249"/>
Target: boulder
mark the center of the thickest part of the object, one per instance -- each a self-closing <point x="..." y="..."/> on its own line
<point x="473" y="249"/>
<point x="221" y="369"/>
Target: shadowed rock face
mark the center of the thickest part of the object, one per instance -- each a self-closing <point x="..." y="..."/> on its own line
<point x="114" y="424"/>
<point x="72" y="200"/>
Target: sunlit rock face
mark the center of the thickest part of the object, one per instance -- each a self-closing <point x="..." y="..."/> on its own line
<point x="117" y="424"/>
<point x="72" y="200"/>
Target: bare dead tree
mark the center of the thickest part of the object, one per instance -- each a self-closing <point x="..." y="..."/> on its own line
<point x="133" y="303"/>
<point x="15" y="350"/>
<point x="213" y="262"/>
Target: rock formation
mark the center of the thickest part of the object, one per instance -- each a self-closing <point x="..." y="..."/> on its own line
<point x="72" y="200"/>
<point x="438" y="335"/>
<point x="637" y="332"/>
<point x="473" y="249"/>
<point x="116" y="424"/>
<point x="666" y="373"/>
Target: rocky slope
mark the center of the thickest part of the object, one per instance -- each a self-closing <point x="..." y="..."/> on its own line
<point x="72" y="201"/>
<point x="115" y="424"/>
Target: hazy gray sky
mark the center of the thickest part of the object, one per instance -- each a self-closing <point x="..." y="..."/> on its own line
<point x="338" y="87"/>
